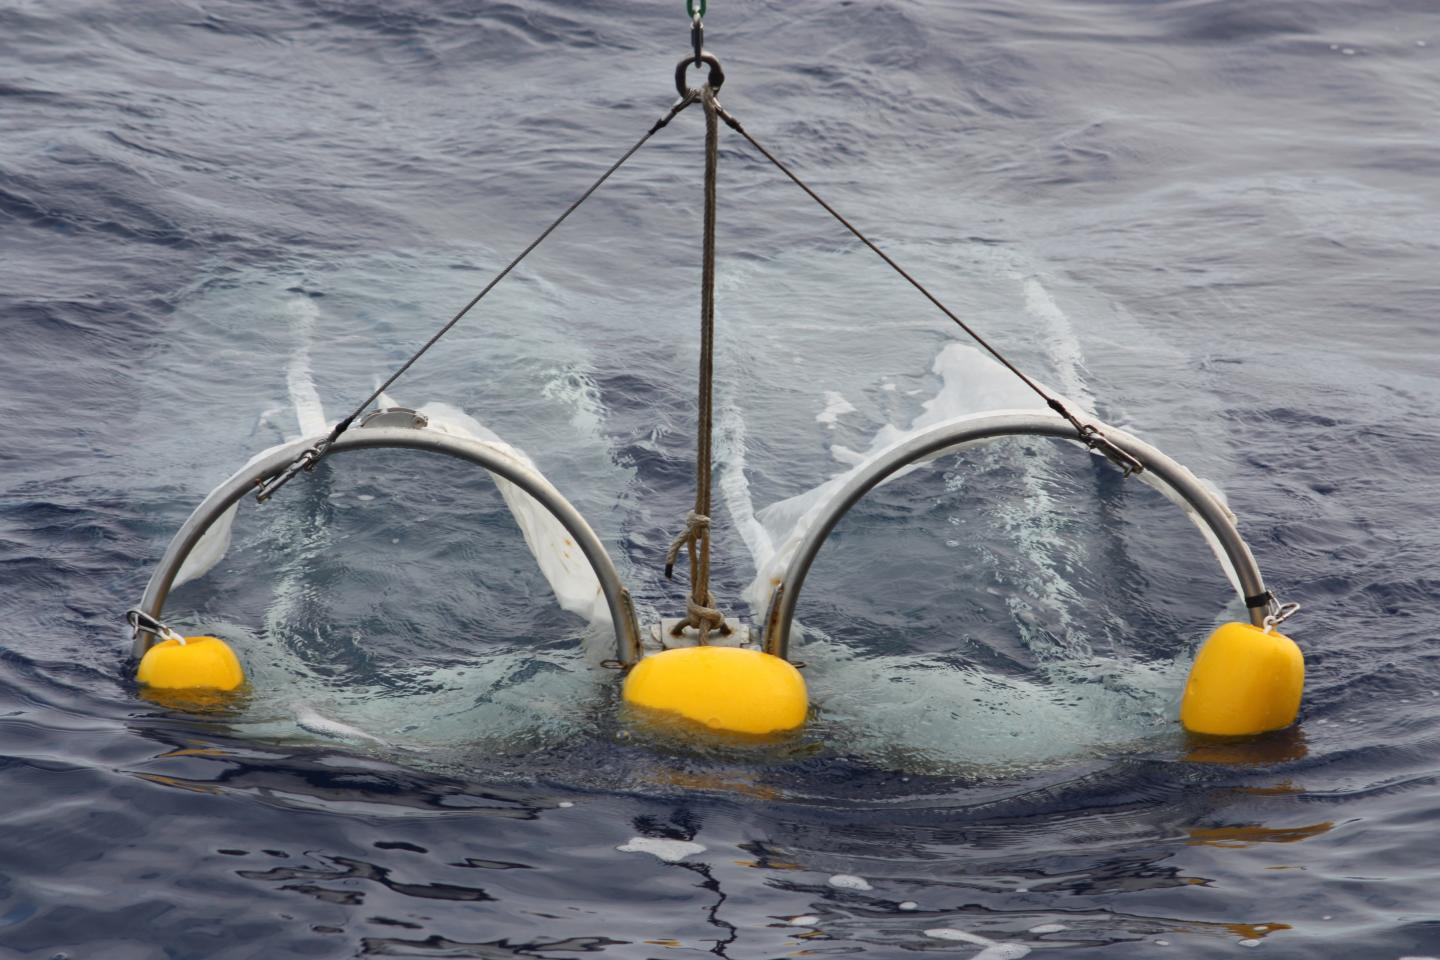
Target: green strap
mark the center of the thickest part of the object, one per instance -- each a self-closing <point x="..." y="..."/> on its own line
<point x="690" y="8"/>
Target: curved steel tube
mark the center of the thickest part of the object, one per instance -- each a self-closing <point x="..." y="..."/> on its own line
<point x="964" y="430"/>
<point x="622" y="611"/>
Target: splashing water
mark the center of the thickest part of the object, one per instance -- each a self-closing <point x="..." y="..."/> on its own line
<point x="921" y="711"/>
<point x="504" y="698"/>
<point x="950" y="715"/>
<point x="970" y="382"/>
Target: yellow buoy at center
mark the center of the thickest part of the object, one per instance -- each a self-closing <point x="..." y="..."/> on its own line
<point x="725" y="688"/>
<point x="195" y="663"/>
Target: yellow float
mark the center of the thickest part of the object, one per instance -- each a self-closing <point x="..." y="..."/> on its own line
<point x="190" y="663"/>
<point x="1245" y="680"/>
<point x="731" y="689"/>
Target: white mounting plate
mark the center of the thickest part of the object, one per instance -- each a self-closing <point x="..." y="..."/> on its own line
<point x="660" y="636"/>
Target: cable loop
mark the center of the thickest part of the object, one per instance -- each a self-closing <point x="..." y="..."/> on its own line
<point x="1279" y="613"/>
<point x="140" y="621"/>
<point x="694" y="9"/>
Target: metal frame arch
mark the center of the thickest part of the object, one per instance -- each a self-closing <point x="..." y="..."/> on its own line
<point x="245" y="481"/>
<point x="1208" y="512"/>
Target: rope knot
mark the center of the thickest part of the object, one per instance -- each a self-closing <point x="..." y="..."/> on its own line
<point x="704" y="617"/>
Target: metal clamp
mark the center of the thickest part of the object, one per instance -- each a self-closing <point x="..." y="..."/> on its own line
<point x="715" y="79"/>
<point x="1091" y="436"/>
<point x="306" y="461"/>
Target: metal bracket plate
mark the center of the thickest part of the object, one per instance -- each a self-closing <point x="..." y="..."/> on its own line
<point x="661" y="636"/>
<point x="395" y="417"/>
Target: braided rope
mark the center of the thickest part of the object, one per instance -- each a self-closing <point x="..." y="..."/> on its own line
<point x="700" y="610"/>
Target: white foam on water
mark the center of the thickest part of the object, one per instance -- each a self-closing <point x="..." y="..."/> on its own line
<point x="310" y="719"/>
<point x="1064" y="352"/>
<point x="993" y="950"/>
<point x="309" y="411"/>
<point x="309" y="417"/>
<point x="1062" y="345"/>
<point x="970" y="382"/>
<point x="671" y="851"/>
<point x="730" y="442"/>
<point x="936" y="716"/>
<point x="575" y="388"/>
<point x="959" y="936"/>
<point x="493" y="704"/>
<point x="847" y="881"/>
<point x="1032" y="519"/>
<point x="836" y="406"/>
<point x="805" y="921"/>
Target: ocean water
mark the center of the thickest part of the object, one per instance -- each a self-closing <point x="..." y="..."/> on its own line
<point x="1214" y="223"/>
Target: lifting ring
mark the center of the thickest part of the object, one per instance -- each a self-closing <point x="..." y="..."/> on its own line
<point x="716" y="79"/>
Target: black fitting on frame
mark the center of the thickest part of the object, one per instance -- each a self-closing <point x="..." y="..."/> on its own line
<point x="1259" y="600"/>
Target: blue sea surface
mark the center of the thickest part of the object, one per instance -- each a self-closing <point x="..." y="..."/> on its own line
<point x="1214" y="223"/>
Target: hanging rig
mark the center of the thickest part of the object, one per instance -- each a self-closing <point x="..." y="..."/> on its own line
<point x="1246" y="678"/>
